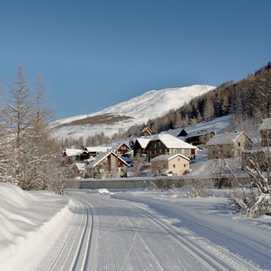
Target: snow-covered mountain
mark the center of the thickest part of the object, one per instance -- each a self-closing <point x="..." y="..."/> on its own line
<point x="120" y="117"/>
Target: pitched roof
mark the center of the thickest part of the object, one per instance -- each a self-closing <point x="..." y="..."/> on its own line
<point x="99" y="149"/>
<point x="266" y="124"/>
<point x="73" y="152"/>
<point x="143" y="141"/>
<point x="117" y="145"/>
<point x="166" y="157"/>
<point x="102" y="156"/>
<point x="224" y="139"/>
<point x="172" y="142"/>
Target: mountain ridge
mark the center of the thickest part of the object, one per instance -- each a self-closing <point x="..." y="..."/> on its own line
<point x="123" y="115"/>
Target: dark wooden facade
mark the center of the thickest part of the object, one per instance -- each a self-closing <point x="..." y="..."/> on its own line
<point x="138" y="150"/>
<point x="155" y="148"/>
<point x="123" y="149"/>
<point x="200" y="139"/>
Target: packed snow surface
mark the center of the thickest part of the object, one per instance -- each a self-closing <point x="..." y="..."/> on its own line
<point x="130" y="231"/>
<point x="152" y="104"/>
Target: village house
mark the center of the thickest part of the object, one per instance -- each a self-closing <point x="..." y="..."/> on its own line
<point x="96" y="150"/>
<point x="175" y="165"/>
<point x="228" y="145"/>
<point x="122" y="149"/>
<point x="140" y="145"/>
<point x="169" y="145"/>
<point x="199" y="138"/>
<point x="107" y="165"/>
<point x="265" y="131"/>
<point x="71" y="155"/>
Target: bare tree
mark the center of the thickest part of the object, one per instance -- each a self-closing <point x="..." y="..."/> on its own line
<point x="28" y="154"/>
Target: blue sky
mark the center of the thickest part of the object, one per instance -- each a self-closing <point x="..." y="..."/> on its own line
<point x="95" y="53"/>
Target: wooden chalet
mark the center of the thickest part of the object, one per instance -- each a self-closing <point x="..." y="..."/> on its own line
<point x="96" y="150"/>
<point x="72" y="155"/>
<point x="199" y="138"/>
<point x="169" y="145"/>
<point x="122" y="149"/>
<point x="107" y="165"/>
<point x="140" y="145"/>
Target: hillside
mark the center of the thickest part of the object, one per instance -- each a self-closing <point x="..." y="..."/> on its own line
<point x="247" y="99"/>
<point x="136" y="111"/>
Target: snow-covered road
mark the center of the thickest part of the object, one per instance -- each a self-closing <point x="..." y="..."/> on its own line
<point x="107" y="233"/>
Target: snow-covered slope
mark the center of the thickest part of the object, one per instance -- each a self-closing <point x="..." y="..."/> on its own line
<point x="28" y="221"/>
<point x="138" y="110"/>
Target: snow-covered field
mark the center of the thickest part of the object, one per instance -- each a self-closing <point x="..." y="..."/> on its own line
<point x="152" y="104"/>
<point x="218" y="125"/>
<point x="212" y="224"/>
<point x="140" y="230"/>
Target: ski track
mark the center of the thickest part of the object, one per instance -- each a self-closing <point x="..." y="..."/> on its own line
<point x="211" y="257"/>
<point x="112" y="234"/>
<point x="72" y="248"/>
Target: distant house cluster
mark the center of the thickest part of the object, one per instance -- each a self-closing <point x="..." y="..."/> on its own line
<point x="160" y="154"/>
<point x="166" y="154"/>
<point x="98" y="162"/>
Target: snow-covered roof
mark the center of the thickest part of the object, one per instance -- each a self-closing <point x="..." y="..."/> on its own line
<point x="143" y="141"/>
<point x="102" y="156"/>
<point x="172" y="142"/>
<point x="167" y="157"/>
<point x="98" y="149"/>
<point x="73" y="152"/>
<point x="217" y="125"/>
<point x="266" y="124"/>
<point x="224" y="139"/>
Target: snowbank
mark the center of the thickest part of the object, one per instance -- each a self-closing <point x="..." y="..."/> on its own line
<point x="28" y="223"/>
<point x="104" y="191"/>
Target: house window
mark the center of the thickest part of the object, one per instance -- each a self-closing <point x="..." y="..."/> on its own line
<point x="173" y="165"/>
<point x="184" y="165"/>
<point x="239" y="144"/>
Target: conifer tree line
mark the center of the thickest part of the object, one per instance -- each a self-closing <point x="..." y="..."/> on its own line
<point x="28" y="154"/>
